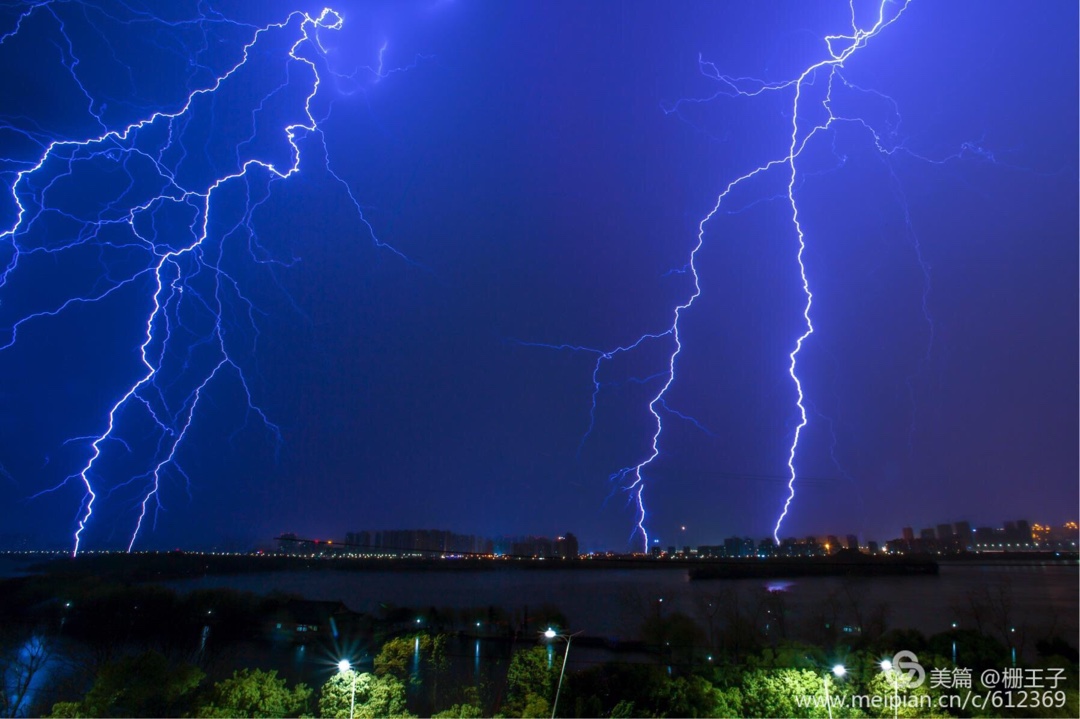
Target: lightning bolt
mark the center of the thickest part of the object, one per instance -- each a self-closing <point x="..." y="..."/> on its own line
<point x="172" y="241"/>
<point x="813" y="113"/>
<point x="840" y="49"/>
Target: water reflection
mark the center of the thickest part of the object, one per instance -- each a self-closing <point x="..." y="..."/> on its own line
<point x="614" y="602"/>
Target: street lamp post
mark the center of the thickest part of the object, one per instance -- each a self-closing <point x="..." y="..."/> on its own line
<point x="552" y="634"/>
<point x="887" y="668"/>
<point x="345" y="666"/>
<point x="839" y="671"/>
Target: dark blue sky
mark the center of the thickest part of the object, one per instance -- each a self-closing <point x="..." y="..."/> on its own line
<point x="540" y="182"/>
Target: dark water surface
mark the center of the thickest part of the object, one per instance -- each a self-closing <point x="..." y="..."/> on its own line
<point x="614" y="602"/>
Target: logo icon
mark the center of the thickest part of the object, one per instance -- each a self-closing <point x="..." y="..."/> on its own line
<point x="906" y="661"/>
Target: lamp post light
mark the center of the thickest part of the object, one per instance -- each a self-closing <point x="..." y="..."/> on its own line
<point x="550" y="633"/>
<point x="838" y="671"/>
<point x="887" y="668"/>
<point x="346" y="666"/>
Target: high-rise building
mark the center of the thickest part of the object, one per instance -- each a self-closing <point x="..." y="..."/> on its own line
<point x="852" y="542"/>
<point x="739" y="547"/>
<point x="908" y="534"/>
<point x="415" y="541"/>
<point x="566" y="547"/>
<point x="964" y="536"/>
<point x="986" y="538"/>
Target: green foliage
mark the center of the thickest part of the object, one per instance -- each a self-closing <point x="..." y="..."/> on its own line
<point x="255" y="693"/>
<point x="66" y="710"/>
<point x="729" y="703"/>
<point x="773" y="692"/>
<point x="641" y="690"/>
<point x="146" y="685"/>
<point x="535" y="707"/>
<point x="899" y="698"/>
<point x="687" y="697"/>
<point x="529" y="680"/>
<point x="395" y="657"/>
<point x="460" y="711"/>
<point x="375" y="696"/>
<point x="399" y="656"/>
<point x="788" y="655"/>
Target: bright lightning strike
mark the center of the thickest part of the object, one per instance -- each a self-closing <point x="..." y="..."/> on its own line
<point x="813" y="113"/>
<point x="166" y="232"/>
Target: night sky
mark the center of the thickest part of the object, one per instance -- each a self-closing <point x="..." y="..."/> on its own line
<point x="490" y="177"/>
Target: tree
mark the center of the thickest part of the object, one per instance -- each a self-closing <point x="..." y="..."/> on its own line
<point x="614" y="690"/>
<point x="415" y="659"/>
<point x="899" y="698"/>
<point x="460" y="711"/>
<point x="530" y="683"/>
<point x="792" y="693"/>
<point x="535" y="707"/>
<point x="146" y="685"/>
<point x="688" y="697"/>
<point x="375" y="696"/>
<point x="19" y="665"/>
<point x="255" y="693"/>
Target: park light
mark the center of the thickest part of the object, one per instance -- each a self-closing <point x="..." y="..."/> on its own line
<point x="886" y="665"/>
<point x="838" y="671"/>
<point x="550" y="633"/>
<point x="345" y="666"/>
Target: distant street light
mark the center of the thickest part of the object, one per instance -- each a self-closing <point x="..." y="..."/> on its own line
<point x="550" y="633"/>
<point x="346" y="666"/>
